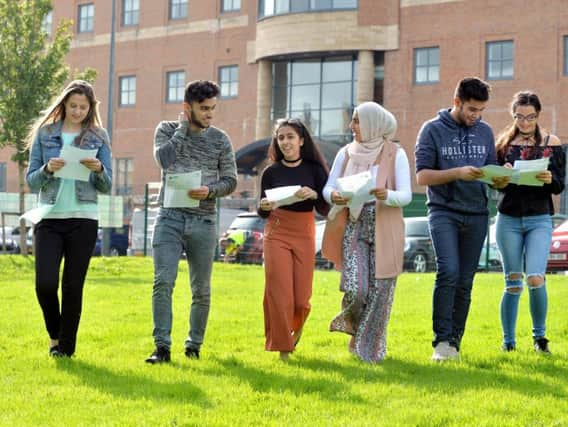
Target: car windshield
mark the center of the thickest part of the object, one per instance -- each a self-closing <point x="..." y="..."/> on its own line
<point x="562" y="227"/>
<point x="247" y="223"/>
<point x="417" y="228"/>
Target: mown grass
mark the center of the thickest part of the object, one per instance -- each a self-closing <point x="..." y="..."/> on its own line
<point x="237" y="383"/>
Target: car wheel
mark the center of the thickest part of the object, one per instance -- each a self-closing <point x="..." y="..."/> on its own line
<point x="420" y="263"/>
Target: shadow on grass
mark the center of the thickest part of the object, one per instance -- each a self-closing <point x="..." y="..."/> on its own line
<point x="295" y="383"/>
<point x="446" y="378"/>
<point x="130" y="386"/>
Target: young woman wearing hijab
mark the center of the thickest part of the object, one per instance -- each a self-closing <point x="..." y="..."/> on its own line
<point x="289" y="234"/>
<point x="373" y="241"/>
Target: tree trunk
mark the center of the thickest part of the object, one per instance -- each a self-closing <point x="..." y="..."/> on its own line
<point x="22" y="188"/>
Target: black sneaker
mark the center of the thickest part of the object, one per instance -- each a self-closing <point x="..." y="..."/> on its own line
<point x="192" y="353"/>
<point x="55" y="352"/>
<point x="160" y="355"/>
<point x="541" y="345"/>
<point x="509" y="346"/>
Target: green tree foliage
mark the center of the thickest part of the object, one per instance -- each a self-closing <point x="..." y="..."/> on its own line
<point x="32" y="72"/>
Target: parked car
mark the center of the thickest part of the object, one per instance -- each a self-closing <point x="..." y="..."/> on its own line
<point x="251" y="252"/>
<point x="558" y="255"/>
<point x="9" y="240"/>
<point x="118" y="242"/>
<point x="494" y="261"/>
<point x="321" y="262"/>
<point x="419" y="255"/>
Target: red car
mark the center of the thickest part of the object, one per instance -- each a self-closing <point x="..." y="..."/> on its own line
<point x="558" y="256"/>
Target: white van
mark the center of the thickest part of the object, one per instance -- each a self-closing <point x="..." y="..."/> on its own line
<point x="137" y="231"/>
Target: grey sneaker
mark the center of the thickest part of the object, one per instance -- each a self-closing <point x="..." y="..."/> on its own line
<point x="444" y="351"/>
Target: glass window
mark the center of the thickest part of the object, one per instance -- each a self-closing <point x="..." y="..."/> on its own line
<point x="320" y="91"/>
<point x="86" y="21"/>
<point x="47" y="23"/>
<point x="427" y="65"/>
<point x="278" y="7"/>
<point x="321" y="4"/>
<point x="122" y="175"/>
<point x="127" y="91"/>
<point x="130" y="12"/>
<point x="231" y="5"/>
<point x="3" y="177"/>
<point x="566" y="55"/>
<point x="178" y="9"/>
<point x="299" y="5"/>
<point x="229" y="81"/>
<point x="499" y="60"/>
<point x="175" y="86"/>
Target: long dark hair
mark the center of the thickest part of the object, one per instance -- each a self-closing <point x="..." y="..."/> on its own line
<point x="523" y="98"/>
<point x="308" y="151"/>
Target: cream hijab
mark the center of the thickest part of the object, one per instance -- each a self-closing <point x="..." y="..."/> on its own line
<point x="377" y="125"/>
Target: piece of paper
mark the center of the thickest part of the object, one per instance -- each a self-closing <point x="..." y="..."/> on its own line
<point x="177" y="187"/>
<point x="494" y="171"/>
<point x="524" y="172"/>
<point x="283" y="196"/>
<point x="73" y="169"/>
<point x="37" y="214"/>
<point x="357" y="187"/>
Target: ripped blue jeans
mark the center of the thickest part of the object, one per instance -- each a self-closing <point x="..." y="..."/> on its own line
<point x="524" y="243"/>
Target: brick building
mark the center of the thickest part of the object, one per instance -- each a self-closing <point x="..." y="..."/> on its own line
<point x="314" y="59"/>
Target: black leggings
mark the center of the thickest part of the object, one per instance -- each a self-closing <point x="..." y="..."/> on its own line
<point x="73" y="239"/>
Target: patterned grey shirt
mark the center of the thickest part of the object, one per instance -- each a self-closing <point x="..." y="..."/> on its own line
<point x="177" y="150"/>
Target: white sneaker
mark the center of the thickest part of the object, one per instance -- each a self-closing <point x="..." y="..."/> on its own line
<point x="444" y="351"/>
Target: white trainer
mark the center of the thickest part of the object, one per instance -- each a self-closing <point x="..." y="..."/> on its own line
<point x="444" y="351"/>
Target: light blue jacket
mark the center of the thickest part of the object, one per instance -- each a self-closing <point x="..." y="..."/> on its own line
<point x="48" y="144"/>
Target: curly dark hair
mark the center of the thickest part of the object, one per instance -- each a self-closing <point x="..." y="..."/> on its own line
<point x="472" y="88"/>
<point x="200" y="90"/>
<point x="308" y="151"/>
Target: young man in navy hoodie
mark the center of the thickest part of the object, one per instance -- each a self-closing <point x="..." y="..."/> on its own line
<point x="450" y="150"/>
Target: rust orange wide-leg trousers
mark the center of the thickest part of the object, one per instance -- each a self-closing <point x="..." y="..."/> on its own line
<point x="289" y="256"/>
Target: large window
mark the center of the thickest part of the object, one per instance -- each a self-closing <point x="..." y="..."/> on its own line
<point x="47" y="23"/>
<point x="320" y="91"/>
<point x="427" y="65"/>
<point x="566" y="55"/>
<point x="130" y="12"/>
<point x="175" y="86"/>
<point x="86" y="21"/>
<point x="499" y="60"/>
<point x="122" y="175"/>
<point x="230" y="5"/>
<point x="3" y="177"/>
<point x="229" y="81"/>
<point x="127" y="91"/>
<point x="178" y="9"/>
<point x="279" y="7"/>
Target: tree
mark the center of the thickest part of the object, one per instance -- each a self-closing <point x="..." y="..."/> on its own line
<point x="32" y="72"/>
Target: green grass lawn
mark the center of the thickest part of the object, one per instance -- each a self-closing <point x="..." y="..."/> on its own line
<point x="237" y="383"/>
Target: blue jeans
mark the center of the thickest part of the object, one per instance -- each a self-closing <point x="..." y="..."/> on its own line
<point x="457" y="240"/>
<point x="524" y="243"/>
<point x="176" y="231"/>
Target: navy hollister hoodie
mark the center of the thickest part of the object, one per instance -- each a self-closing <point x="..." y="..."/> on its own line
<point x="444" y="144"/>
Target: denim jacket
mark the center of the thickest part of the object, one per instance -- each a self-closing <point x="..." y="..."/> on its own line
<point x="48" y="144"/>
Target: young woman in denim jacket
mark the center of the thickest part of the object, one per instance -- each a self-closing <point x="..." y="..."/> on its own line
<point x="524" y="226"/>
<point x="69" y="228"/>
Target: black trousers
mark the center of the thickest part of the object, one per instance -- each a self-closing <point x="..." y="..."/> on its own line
<point x="73" y="239"/>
